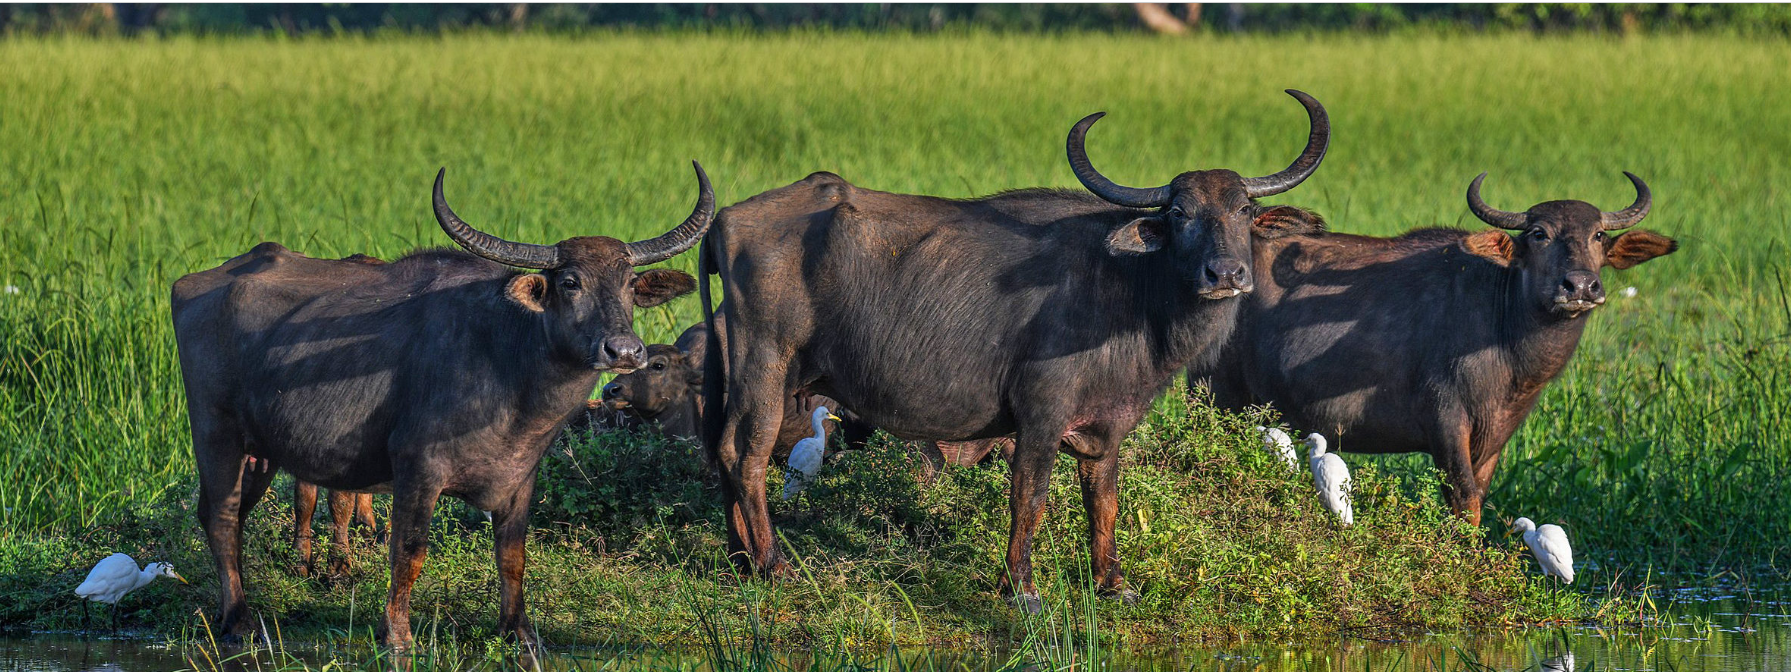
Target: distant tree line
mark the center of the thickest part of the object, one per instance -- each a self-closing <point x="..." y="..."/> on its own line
<point x="1178" y="18"/>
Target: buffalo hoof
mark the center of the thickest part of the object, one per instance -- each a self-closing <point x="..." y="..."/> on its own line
<point x="340" y="566"/>
<point x="1125" y="596"/>
<point x="301" y="570"/>
<point x="1027" y="603"/>
<point x="528" y="645"/>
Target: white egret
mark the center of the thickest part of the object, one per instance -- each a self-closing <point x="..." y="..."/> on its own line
<point x="805" y="458"/>
<point x="1331" y="476"/>
<point x="118" y="575"/>
<point x="1549" y="544"/>
<point x="1278" y="443"/>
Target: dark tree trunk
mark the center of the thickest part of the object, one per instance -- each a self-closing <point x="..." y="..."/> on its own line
<point x="134" y="17"/>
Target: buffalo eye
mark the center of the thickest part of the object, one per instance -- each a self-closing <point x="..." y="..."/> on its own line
<point x="1539" y="235"/>
<point x="1599" y="236"/>
<point x="569" y="282"/>
<point x="658" y="366"/>
<point x="1176" y="213"/>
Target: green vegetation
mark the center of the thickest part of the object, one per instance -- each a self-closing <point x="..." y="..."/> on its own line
<point x="126" y="164"/>
<point x="1220" y="539"/>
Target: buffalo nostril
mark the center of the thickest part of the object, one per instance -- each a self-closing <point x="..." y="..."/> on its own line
<point x="619" y="348"/>
<point x="611" y="390"/>
<point x="1227" y="272"/>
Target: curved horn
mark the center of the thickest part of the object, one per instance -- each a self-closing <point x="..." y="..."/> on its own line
<point x="685" y="235"/>
<point x="521" y="255"/>
<point x="1627" y="217"/>
<point x="1491" y="215"/>
<point x="1316" y="144"/>
<point x="1098" y="184"/>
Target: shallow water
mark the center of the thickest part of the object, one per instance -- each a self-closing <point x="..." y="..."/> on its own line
<point x="1698" y="631"/>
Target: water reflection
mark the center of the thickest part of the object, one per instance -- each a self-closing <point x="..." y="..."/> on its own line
<point x="1702" y="634"/>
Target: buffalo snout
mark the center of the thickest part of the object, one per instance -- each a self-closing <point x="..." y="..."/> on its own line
<point x="1225" y="277"/>
<point x="612" y="391"/>
<point x="621" y="353"/>
<point x="1580" y="291"/>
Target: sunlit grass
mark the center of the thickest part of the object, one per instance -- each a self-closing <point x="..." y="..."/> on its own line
<point x="126" y="164"/>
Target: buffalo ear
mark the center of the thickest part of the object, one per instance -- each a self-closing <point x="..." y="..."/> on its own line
<point x="527" y="290"/>
<point x="1139" y="236"/>
<point x="1634" y="247"/>
<point x="659" y="285"/>
<point x="1285" y="220"/>
<point x="1492" y="244"/>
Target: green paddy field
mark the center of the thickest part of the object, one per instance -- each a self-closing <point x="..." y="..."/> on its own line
<point x="1662" y="449"/>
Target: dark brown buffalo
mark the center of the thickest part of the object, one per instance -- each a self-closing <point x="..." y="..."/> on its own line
<point x="1052" y="315"/>
<point x="1436" y="341"/>
<point x="345" y="507"/>
<point x="441" y="373"/>
<point x="668" y="391"/>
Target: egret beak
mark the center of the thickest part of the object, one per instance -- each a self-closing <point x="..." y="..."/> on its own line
<point x="835" y="418"/>
<point x="180" y="578"/>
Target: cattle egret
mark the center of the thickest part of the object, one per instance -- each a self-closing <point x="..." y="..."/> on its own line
<point x="1629" y="292"/>
<point x="1278" y="443"/>
<point x="805" y="458"/>
<point x="1561" y="663"/>
<point x="118" y="575"/>
<point x="1549" y="544"/>
<point x="1331" y="476"/>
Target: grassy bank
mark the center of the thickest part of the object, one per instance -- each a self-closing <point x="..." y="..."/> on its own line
<point x="1220" y="540"/>
<point x="126" y="164"/>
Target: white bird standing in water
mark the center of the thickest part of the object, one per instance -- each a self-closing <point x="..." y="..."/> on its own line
<point x="118" y="575"/>
<point x="1549" y="544"/>
<point x="805" y="458"/>
<point x="1331" y="476"/>
<point x="1278" y="443"/>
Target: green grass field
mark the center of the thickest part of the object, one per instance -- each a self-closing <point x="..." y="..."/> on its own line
<point x="126" y="164"/>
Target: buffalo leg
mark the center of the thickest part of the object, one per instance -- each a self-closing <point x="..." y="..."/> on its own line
<point x="304" y="506"/>
<point x="412" y="506"/>
<point x="1030" y="488"/>
<point x="1099" y="478"/>
<point x="510" y="530"/>
<point x="219" y="455"/>
<point x="342" y="507"/>
<point x="748" y="439"/>
<point x="363" y="515"/>
<point x="1454" y="458"/>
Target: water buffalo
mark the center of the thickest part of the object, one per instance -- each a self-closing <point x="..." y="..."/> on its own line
<point x="442" y="372"/>
<point x="345" y="507"/>
<point x="668" y="391"/>
<point x="1436" y="341"/>
<point x="1053" y="315"/>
